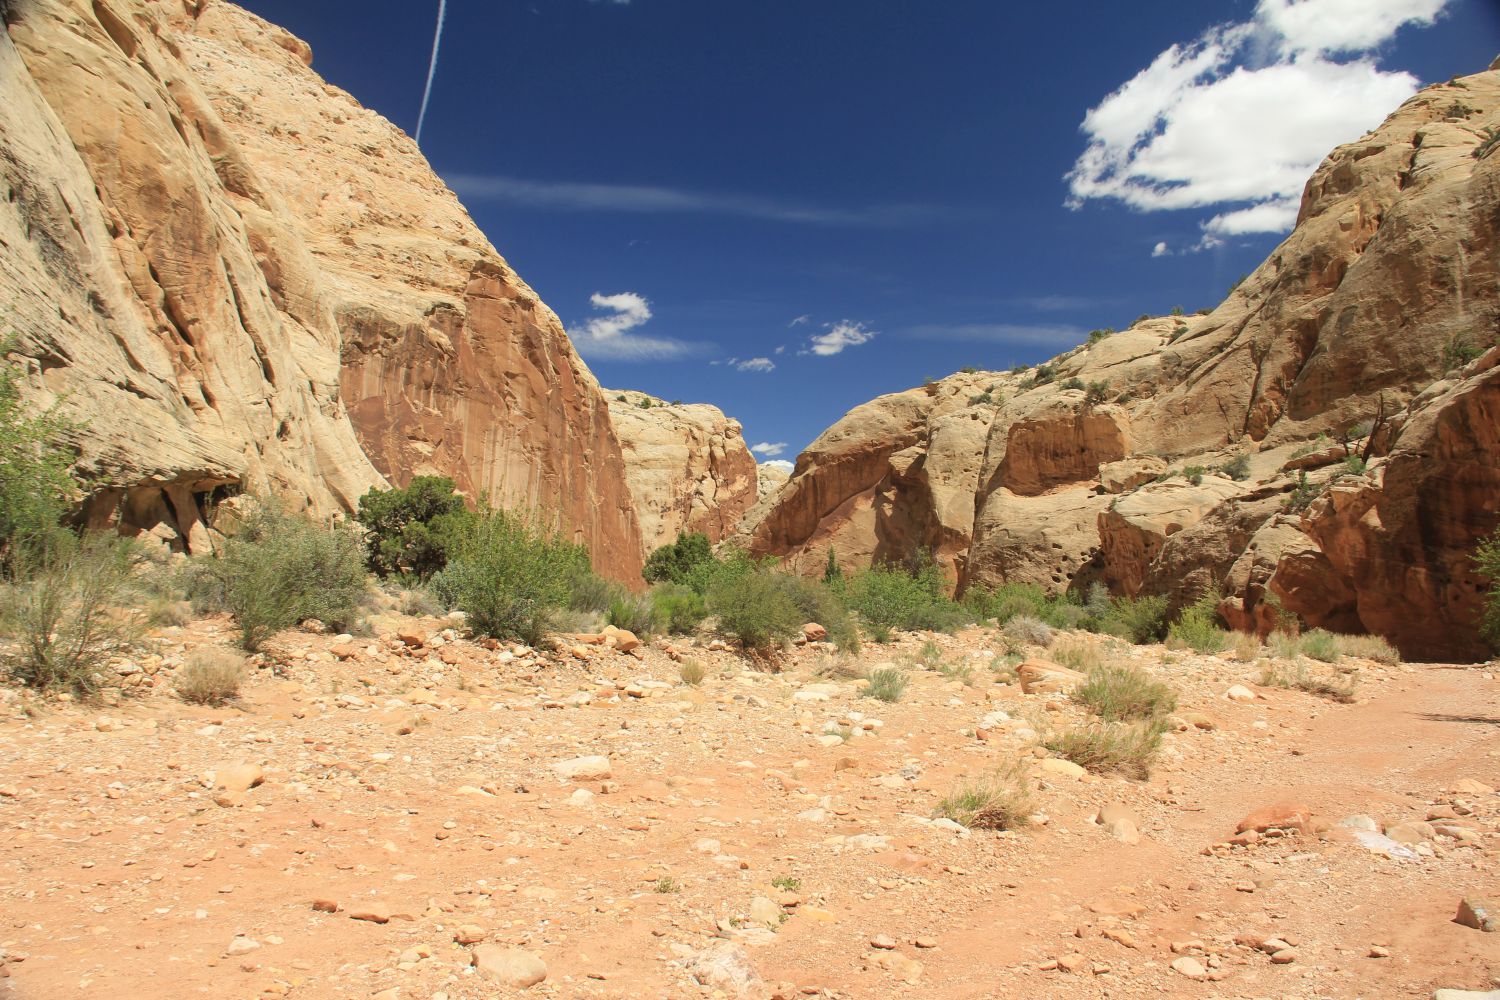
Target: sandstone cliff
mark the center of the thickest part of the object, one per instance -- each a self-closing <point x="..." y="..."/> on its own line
<point x="242" y="280"/>
<point x="1108" y="464"/>
<point x="687" y="466"/>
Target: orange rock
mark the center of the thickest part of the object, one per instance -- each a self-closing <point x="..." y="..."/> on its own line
<point x="1283" y="815"/>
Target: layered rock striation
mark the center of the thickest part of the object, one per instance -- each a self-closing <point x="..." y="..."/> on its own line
<point x="237" y="279"/>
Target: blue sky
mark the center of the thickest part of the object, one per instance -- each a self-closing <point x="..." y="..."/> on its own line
<point x="787" y="207"/>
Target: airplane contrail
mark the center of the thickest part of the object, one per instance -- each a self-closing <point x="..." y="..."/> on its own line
<point x="437" y="39"/>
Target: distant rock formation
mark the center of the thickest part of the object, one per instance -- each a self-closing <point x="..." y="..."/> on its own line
<point x="1110" y="463"/>
<point x="244" y="281"/>
<point x="687" y="465"/>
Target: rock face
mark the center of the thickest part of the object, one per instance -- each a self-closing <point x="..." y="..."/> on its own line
<point x="1113" y="462"/>
<point x="687" y="466"/>
<point x="895" y="474"/>
<point x="244" y="281"/>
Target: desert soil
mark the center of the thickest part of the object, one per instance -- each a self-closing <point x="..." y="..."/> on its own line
<point x="411" y="819"/>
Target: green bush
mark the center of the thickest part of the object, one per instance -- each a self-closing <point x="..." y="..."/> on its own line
<point x="890" y="597"/>
<point x="280" y="569"/>
<point x="755" y="609"/>
<point x="1096" y="393"/>
<point x="1139" y="619"/>
<point x="679" y="561"/>
<point x="1120" y="693"/>
<point x="1458" y="351"/>
<point x="1320" y="644"/>
<point x="35" y="487"/>
<point x="1111" y="747"/>
<point x="64" y="616"/>
<point x="410" y="530"/>
<point x="1487" y="564"/>
<point x="511" y="575"/>
<point x="1028" y="631"/>
<point x="678" y="609"/>
<point x="820" y="603"/>
<point x="1238" y="467"/>
<point x="634" y="613"/>
<point x="1197" y="627"/>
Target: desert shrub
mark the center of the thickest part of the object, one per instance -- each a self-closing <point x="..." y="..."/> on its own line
<point x="887" y="684"/>
<point x="1298" y="677"/>
<point x="981" y="399"/>
<point x="1458" y="351"/>
<point x="755" y="609"/>
<point x="1197" y="627"/>
<point x="1001" y="800"/>
<point x="890" y="597"/>
<point x="409" y="530"/>
<point x="1082" y="656"/>
<point x="1096" y="393"/>
<point x="633" y="613"/>
<point x="1487" y="565"/>
<point x="1320" y="644"/>
<point x="820" y="603"/>
<point x="679" y="610"/>
<point x="587" y="591"/>
<point x="1488" y="143"/>
<point x="281" y="569"/>
<point x="210" y="676"/>
<point x="1369" y="647"/>
<point x="1026" y="630"/>
<point x="64" y="615"/>
<point x="1284" y="645"/>
<point x="1246" y="646"/>
<point x="1194" y="474"/>
<point x="418" y="602"/>
<point x="1139" y="619"/>
<point x="35" y="487"/>
<point x="1095" y="336"/>
<point x="510" y="574"/>
<point x="1238" y="467"/>
<point x="692" y="672"/>
<point x="1111" y="747"/>
<point x="1302" y="495"/>
<point x="1354" y="465"/>
<point x="162" y="610"/>
<point x="1120" y="693"/>
<point x="677" y="562"/>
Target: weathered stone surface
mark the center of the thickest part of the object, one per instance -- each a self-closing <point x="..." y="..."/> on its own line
<point x="242" y="280"/>
<point x="511" y="967"/>
<point x="687" y="466"/>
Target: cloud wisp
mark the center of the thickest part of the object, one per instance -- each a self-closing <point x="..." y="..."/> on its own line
<point x="1040" y="334"/>
<point x="437" y="41"/>
<point x="1237" y="119"/>
<point x="643" y="199"/>
<point x="761" y="366"/>
<point x="610" y="338"/>
<point x="769" y="449"/>
<point x="839" y="336"/>
<point x="782" y="464"/>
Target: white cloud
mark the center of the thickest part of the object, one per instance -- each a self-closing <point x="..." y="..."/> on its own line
<point x="782" y="464"/>
<point x="760" y="365"/>
<point x="768" y="449"/>
<point x="1006" y="333"/>
<point x="1161" y="250"/>
<point x="780" y="350"/>
<point x="640" y="198"/>
<point x="804" y="318"/>
<point x="839" y="336"/>
<point x="1242" y="115"/>
<point x="609" y="337"/>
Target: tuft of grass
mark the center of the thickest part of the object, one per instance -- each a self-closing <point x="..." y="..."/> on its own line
<point x="930" y="655"/>
<point x="692" y="672"/>
<point x="887" y="684"/>
<point x="1121" y="693"/>
<point x="210" y="677"/>
<point x="958" y="671"/>
<point x="1082" y="656"/>
<point x="1296" y="676"/>
<point x="1320" y="644"/>
<point x="1111" y="747"/>
<point x="1000" y="800"/>
<point x="666" y="885"/>
<point x="1026" y="630"/>
<point x="418" y="602"/>
<point x="1246" y="646"/>
<point x="787" y="883"/>
<point x="1369" y="647"/>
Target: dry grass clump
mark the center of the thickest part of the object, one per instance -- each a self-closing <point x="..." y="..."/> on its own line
<point x="887" y="684"/>
<point x="1297" y="677"/>
<point x="1000" y="800"/>
<point x="162" y="611"/>
<point x="1369" y="647"/>
<point x="1111" y="747"/>
<point x="692" y="672"/>
<point x="1082" y="656"/>
<point x="1029" y="631"/>
<point x="1120" y="693"/>
<point x="1246" y="646"/>
<point x="210" y="677"/>
<point x="839" y="667"/>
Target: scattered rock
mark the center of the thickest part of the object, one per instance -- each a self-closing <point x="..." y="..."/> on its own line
<point x="1479" y="914"/>
<point x="592" y="768"/>
<point x="511" y="967"/>
<point x="1190" y="967"/>
<point x="724" y="965"/>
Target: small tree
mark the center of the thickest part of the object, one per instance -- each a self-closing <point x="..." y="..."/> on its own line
<point x="35" y="487"/>
<point x="832" y="573"/>
<point x="676" y="562"/>
<point x="412" y="528"/>
<point x="1487" y="562"/>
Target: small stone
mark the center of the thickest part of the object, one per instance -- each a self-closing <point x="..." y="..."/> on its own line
<point x="1285" y="956"/>
<point x="1071" y="963"/>
<point x="241" y="946"/>
<point x="375" y="913"/>
<point x="1281" y="816"/>
<point x="1379" y="952"/>
<point x="324" y="905"/>
<point x="237" y="777"/>
<point x="1240" y="693"/>
<point x="882" y="941"/>
<point x="1066" y="768"/>
<point x="1478" y="913"/>
<point x="511" y="967"/>
<point x="925" y="942"/>
<point x="469" y="934"/>
<point x="1189" y="967"/>
<point x="592" y="768"/>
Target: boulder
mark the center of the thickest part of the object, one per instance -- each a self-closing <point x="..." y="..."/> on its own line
<point x="511" y="967"/>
